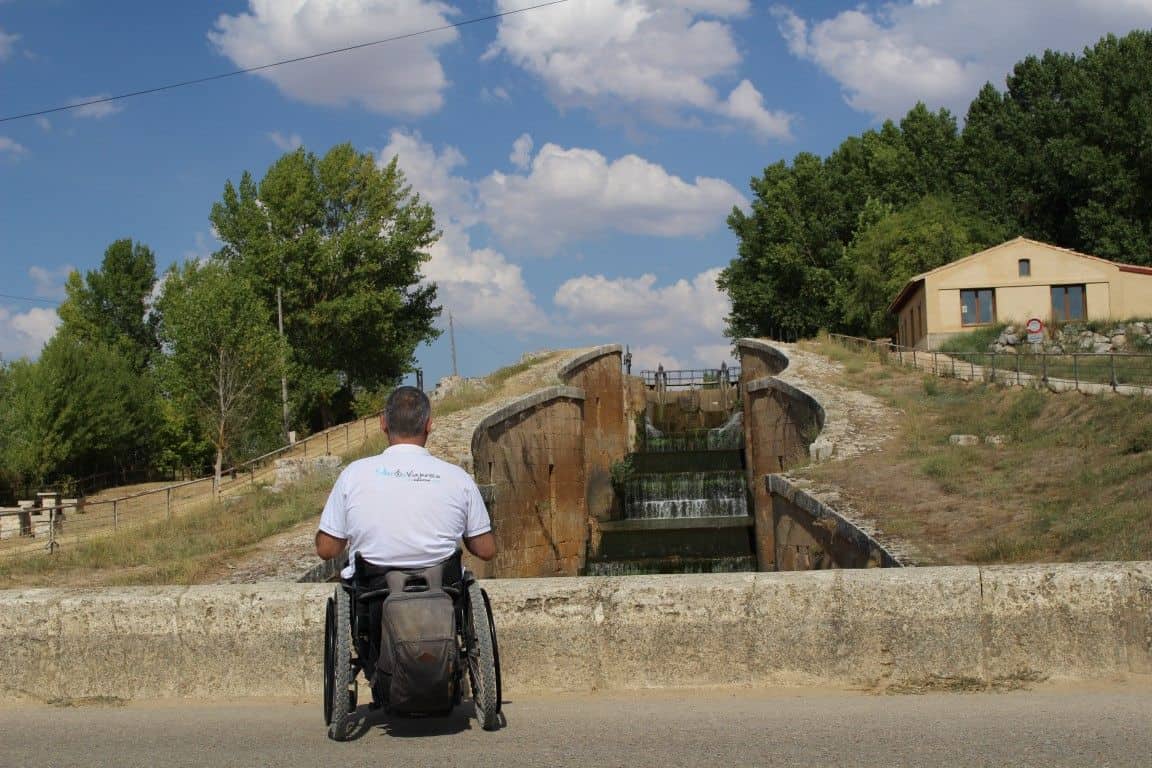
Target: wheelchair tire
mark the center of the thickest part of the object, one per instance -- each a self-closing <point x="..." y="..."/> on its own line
<point x="339" y="695"/>
<point x="482" y="670"/>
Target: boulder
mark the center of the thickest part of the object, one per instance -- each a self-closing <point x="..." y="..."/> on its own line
<point x="964" y="440"/>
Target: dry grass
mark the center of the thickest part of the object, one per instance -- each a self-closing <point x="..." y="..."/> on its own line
<point x="198" y="545"/>
<point x="1072" y="482"/>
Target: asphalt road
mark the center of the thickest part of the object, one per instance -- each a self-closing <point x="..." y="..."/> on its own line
<point x="1108" y="725"/>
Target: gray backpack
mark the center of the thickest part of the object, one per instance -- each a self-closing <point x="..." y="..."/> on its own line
<point x="418" y="642"/>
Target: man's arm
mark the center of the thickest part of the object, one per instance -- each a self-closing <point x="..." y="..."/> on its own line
<point x="328" y="546"/>
<point x="483" y="546"/>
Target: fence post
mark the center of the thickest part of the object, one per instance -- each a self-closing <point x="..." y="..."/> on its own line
<point x="1076" y="371"/>
<point x="115" y="522"/>
<point x="992" y="356"/>
<point x="1044" y="368"/>
<point x="347" y="441"/>
<point x="1017" y="369"/>
<point x="168" y="502"/>
<point x="327" y="448"/>
<point x="935" y="371"/>
<point x="1112" y="365"/>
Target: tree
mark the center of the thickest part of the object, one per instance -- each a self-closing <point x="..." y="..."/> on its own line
<point x="344" y="240"/>
<point x="78" y="410"/>
<point x="783" y="279"/>
<point x="890" y="247"/>
<point x="222" y="357"/>
<point x="111" y="305"/>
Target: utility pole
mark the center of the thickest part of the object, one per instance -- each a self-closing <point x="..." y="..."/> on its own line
<point x="283" y="364"/>
<point x="452" y="338"/>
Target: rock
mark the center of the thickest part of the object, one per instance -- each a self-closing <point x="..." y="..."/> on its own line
<point x="1119" y="341"/>
<point x="289" y="471"/>
<point x="995" y="439"/>
<point x="821" y="449"/>
<point x="1102" y="347"/>
<point x="1010" y="339"/>
<point x="964" y="440"/>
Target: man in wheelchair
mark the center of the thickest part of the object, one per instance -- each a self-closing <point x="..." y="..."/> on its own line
<point x="406" y="614"/>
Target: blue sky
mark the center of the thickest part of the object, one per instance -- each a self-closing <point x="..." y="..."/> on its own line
<point x="582" y="158"/>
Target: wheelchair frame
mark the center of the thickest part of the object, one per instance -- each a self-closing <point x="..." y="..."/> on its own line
<point x="352" y="645"/>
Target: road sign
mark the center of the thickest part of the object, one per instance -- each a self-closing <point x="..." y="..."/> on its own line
<point x="1035" y="329"/>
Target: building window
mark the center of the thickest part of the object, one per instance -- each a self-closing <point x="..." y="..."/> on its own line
<point x="1068" y="303"/>
<point x="1025" y="267"/>
<point x="977" y="306"/>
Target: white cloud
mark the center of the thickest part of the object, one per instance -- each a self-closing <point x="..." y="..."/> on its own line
<point x="95" y="111"/>
<point x="431" y="174"/>
<point x="7" y="44"/>
<point x="44" y="123"/>
<point x="661" y="58"/>
<point x="486" y="290"/>
<point x="10" y="147"/>
<point x="479" y="286"/>
<point x="401" y="78"/>
<point x="521" y="151"/>
<point x="687" y="315"/>
<point x="22" y="334"/>
<point x="941" y="52"/>
<point x="568" y="194"/>
<point x="201" y="250"/>
<point x="50" y="282"/>
<point x="286" y="142"/>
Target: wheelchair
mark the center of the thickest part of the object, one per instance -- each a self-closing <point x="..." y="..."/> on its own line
<point x="354" y="643"/>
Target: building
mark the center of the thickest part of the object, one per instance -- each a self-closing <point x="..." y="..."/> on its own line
<point x="1014" y="282"/>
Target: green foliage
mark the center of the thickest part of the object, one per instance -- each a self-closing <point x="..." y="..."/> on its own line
<point x="111" y="305"/>
<point x="889" y="248"/>
<point x="223" y="358"/>
<point x="344" y="240"/>
<point x="1064" y="155"/>
<point x="974" y="342"/>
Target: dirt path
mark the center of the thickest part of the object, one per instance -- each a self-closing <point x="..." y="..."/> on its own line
<point x="855" y="422"/>
<point x="286" y="556"/>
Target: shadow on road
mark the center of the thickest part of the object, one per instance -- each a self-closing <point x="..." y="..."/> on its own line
<point x="463" y="718"/>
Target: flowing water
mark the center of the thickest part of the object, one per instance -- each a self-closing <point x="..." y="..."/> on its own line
<point x="685" y="507"/>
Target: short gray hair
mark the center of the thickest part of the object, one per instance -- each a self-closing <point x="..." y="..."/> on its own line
<point x="407" y="412"/>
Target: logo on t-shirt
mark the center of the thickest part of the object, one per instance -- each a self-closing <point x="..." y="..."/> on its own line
<point x="410" y="475"/>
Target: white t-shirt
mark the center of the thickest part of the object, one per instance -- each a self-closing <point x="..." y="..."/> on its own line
<point x="403" y="508"/>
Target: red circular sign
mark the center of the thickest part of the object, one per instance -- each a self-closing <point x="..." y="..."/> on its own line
<point x="1035" y="325"/>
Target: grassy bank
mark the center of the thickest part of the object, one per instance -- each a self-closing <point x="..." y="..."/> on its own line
<point x="186" y="550"/>
<point x="1072" y="479"/>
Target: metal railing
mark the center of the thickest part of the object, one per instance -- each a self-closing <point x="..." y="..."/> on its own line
<point x="700" y="378"/>
<point x="101" y="515"/>
<point x="1121" y="372"/>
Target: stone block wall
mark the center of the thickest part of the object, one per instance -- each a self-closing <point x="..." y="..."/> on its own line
<point x="809" y="535"/>
<point x="529" y="460"/>
<point x="600" y="375"/>
<point x="780" y="423"/>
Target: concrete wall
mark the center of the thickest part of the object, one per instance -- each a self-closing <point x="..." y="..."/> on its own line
<point x="529" y="460"/>
<point x="810" y="535"/>
<point x="880" y="628"/>
<point x="780" y="422"/>
<point x="599" y="374"/>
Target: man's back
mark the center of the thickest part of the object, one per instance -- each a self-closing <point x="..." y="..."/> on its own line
<point x="404" y="508"/>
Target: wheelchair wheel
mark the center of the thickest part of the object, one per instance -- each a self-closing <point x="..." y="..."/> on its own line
<point x="483" y="662"/>
<point x="339" y="694"/>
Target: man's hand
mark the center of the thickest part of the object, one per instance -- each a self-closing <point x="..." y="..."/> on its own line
<point x="483" y="546"/>
<point x="328" y="547"/>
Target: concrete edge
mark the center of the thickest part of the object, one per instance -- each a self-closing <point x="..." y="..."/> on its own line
<point x="570" y="367"/>
<point x="783" y="387"/>
<point x="937" y="628"/>
<point x="779" y="485"/>
<point x="779" y="357"/>
<point x="537" y="398"/>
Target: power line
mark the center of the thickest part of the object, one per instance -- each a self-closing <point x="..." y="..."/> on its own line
<point x="249" y="70"/>
<point x="27" y="298"/>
